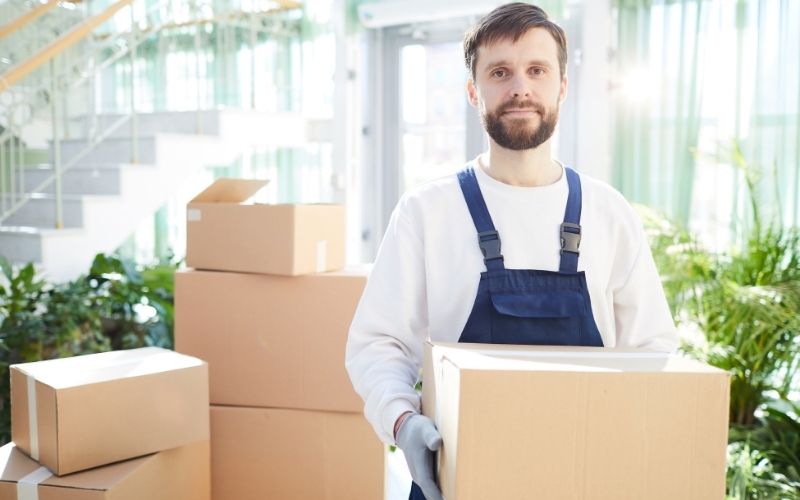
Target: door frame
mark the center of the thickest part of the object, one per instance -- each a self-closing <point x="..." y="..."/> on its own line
<point x="383" y="175"/>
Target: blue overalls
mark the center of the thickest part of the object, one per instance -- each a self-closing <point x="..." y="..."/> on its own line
<point x="528" y="306"/>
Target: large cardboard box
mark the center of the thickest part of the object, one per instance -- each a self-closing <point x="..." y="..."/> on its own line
<point x="226" y="234"/>
<point x="76" y="413"/>
<point x="271" y="341"/>
<point x="576" y="423"/>
<point x="263" y="453"/>
<point x="178" y="474"/>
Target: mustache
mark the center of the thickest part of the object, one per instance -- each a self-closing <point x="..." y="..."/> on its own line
<point x="517" y="104"/>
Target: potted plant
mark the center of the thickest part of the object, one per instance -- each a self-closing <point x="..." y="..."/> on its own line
<point x="738" y="310"/>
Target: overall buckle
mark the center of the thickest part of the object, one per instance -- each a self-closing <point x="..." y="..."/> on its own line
<point x="489" y="242"/>
<point x="570" y="237"/>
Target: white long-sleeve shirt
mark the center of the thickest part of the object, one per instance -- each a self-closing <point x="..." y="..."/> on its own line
<point x="425" y="278"/>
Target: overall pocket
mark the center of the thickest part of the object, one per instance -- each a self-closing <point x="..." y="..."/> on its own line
<point x="538" y="317"/>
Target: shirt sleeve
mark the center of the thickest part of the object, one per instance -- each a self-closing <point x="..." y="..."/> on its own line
<point x="641" y="312"/>
<point x="384" y="346"/>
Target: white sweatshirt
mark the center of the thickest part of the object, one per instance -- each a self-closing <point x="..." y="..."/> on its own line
<point x="426" y="274"/>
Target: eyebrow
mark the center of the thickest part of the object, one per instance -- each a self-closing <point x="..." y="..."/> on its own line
<point x="534" y="62"/>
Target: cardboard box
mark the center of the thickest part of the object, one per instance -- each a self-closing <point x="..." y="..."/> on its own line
<point x="223" y="233"/>
<point x="576" y="423"/>
<point x="262" y="453"/>
<point x="76" y="413"/>
<point x="178" y="474"/>
<point x="271" y="341"/>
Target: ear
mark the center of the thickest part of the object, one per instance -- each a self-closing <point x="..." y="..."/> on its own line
<point x="472" y="93"/>
<point x="562" y="94"/>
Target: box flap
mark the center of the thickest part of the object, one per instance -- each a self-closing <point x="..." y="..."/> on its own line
<point x="227" y="190"/>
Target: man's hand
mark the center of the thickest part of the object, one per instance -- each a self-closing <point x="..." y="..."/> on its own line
<point x="419" y="440"/>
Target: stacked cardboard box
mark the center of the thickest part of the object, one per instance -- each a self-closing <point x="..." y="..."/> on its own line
<point x="144" y="410"/>
<point x="285" y="422"/>
<point x="576" y="422"/>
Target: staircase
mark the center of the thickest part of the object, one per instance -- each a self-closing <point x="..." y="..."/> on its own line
<point x="105" y="197"/>
<point x="104" y="173"/>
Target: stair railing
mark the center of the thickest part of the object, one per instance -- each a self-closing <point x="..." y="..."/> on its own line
<point x="56" y="75"/>
<point x="45" y="85"/>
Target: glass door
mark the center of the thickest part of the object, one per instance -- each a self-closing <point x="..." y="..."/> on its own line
<point x="420" y="125"/>
<point x="434" y="112"/>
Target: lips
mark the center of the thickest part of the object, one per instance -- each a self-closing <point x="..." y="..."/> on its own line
<point x="526" y="113"/>
<point x="527" y="109"/>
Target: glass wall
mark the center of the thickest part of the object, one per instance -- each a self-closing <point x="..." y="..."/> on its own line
<point x="699" y="82"/>
<point x="209" y="55"/>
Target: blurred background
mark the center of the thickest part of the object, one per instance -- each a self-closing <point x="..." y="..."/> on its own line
<point x="356" y="101"/>
<point x="114" y="114"/>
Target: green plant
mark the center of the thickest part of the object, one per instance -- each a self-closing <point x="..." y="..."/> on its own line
<point x="764" y="460"/>
<point x="738" y="309"/>
<point x="136" y="308"/>
<point x="41" y="321"/>
<point x="751" y="476"/>
<point x="777" y="437"/>
<point x="744" y="301"/>
<point x="114" y="306"/>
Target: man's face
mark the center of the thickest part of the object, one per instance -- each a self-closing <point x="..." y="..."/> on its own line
<point x="518" y="89"/>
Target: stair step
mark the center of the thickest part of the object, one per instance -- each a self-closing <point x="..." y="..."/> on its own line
<point x="20" y="244"/>
<point x="105" y="196"/>
<point x="111" y="150"/>
<point x="23" y="244"/>
<point x="98" y="179"/>
<point x="173" y="122"/>
<point x="40" y="211"/>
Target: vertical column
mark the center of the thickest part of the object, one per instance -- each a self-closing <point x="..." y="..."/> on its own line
<point x="593" y="154"/>
<point x="56" y="144"/>
<point x="134" y="120"/>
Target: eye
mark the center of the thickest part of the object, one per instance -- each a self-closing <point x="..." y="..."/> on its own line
<point x="499" y="73"/>
<point x="537" y="71"/>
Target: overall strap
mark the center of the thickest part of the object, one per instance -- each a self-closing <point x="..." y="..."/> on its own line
<point x="488" y="239"/>
<point x="571" y="227"/>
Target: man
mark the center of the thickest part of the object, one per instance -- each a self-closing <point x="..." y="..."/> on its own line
<point x="573" y="268"/>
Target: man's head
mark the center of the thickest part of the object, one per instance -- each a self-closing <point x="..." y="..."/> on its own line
<point x="517" y="60"/>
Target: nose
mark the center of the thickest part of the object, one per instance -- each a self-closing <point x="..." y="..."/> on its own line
<point x="519" y="88"/>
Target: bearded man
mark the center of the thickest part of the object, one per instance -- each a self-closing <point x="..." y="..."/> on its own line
<point x="574" y="266"/>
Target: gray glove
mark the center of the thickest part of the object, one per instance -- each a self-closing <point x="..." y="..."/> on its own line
<point x="419" y="440"/>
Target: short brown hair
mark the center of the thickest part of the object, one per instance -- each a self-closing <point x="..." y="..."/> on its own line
<point x="512" y="21"/>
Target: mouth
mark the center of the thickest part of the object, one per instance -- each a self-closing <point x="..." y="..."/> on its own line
<point x="521" y="113"/>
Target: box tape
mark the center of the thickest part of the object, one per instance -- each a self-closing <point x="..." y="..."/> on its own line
<point x="322" y="255"/>
<point x="28" y="486"/>
<point x="33" y="418"/>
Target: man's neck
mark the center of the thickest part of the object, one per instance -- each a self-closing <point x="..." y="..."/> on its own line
<point x="527" y="168"/>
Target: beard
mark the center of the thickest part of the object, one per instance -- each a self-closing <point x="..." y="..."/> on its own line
<point x="516" y="133"/>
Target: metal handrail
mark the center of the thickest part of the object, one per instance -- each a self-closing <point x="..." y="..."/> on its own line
<point x="45" y="87"/>
<point x="27" y="18"/>
<point x="27" y="34"/>
<point x="59" y="45"/>
<point x="65" y="168"/>
<point x="12" y="181"/>
<point x="49" y="89"/>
